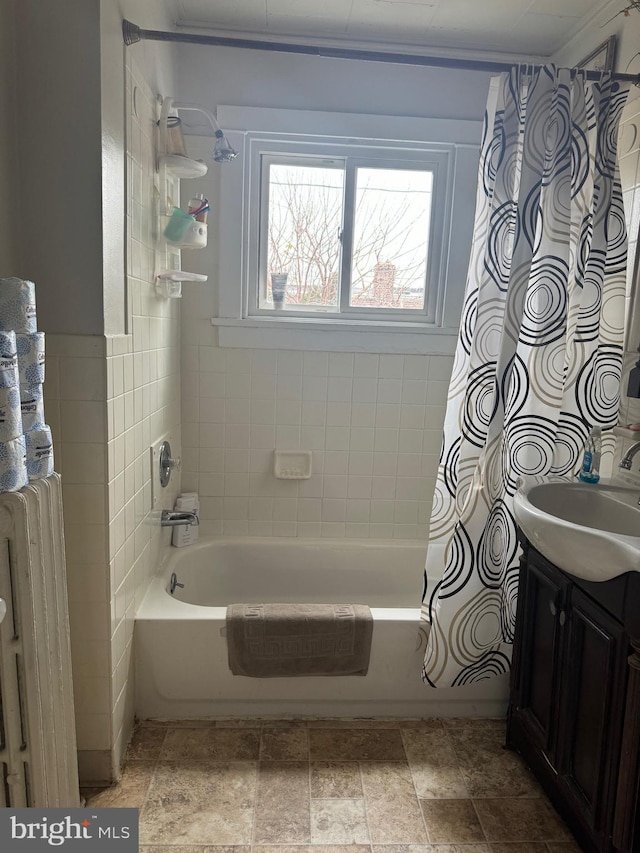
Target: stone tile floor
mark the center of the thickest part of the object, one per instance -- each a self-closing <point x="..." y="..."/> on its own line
<point x="323" y="786"/>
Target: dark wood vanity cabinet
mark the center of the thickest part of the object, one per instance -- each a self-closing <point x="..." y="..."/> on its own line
<point x="574" y="710"/>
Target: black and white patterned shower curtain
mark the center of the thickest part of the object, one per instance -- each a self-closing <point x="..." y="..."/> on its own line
<point x="539" y="354"/>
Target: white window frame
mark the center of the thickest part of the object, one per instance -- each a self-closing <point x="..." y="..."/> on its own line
<point x="351" y="158"/>
<point x="452" y="151"/>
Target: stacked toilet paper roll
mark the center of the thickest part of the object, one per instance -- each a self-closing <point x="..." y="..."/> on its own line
<point x="10" y="415"/>
<point x="10" y="419"/>
<point x="32" y="407"/>
<point x="8" y="360"/>
<point x="39" y="452"/>
<point x="30" y="348"/>
<point x="21" y="394"/>
<point x="13" y="464"/>
<point x="18" y="305"/>
<point x="13" y="470"/>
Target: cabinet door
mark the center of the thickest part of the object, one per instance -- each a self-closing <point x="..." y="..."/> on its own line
<point x="593" y="687"/>
<point x="542" y="629"/>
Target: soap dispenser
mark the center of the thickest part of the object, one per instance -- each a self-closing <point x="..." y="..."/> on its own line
<point x="590" y="471"/>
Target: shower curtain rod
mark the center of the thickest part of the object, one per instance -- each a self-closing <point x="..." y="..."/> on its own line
<point x="133" y="34"/>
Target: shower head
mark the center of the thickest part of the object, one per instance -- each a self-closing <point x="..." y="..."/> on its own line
<point x="223" y="152"/>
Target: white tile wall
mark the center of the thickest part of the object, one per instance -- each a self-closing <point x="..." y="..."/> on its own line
<point x="143" y="405"/>
<point x="107" y="400"/>
<point x="75" y="407"/>
<point x="373" y="424"/>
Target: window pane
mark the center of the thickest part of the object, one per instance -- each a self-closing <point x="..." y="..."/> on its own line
<point x="391" y="237"/>
<point x="305" y="218"/>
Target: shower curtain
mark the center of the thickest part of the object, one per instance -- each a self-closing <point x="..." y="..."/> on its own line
<point x="539" y="353"/>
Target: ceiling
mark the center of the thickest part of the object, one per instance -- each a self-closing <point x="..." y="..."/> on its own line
<point x="532" y="27"/>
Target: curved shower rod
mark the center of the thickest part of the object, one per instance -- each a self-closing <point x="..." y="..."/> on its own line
<point x="133" y="34"/>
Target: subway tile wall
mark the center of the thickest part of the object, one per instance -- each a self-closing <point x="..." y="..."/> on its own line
<point x="143" y="405"/>
<point x="107" y="399"/>
<point x="373" y="423"/>
<point x="76" y="408"/>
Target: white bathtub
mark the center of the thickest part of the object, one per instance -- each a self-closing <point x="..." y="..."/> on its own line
<point x="181" y="652"/>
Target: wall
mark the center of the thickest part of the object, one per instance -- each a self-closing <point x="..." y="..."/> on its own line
<point x="372" y="421"/>
<point x="606" y="22"/>
<point x="630" y="176"/>
<point x="155" y="62"/>
<point x="60" y="161"/>
<point x="107" y="399"/>
<point x="220" y="75"/>
<point x="8" y="141"/>
<point x="112" y="384"/>
<point x="143" y="405"/>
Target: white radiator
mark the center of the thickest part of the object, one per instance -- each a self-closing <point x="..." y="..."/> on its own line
<point x="38" y="760"/>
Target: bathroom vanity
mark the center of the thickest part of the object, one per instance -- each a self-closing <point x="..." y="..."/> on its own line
<point x="574" y="708"/>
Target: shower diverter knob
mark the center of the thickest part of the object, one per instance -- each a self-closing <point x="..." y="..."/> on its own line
<point x="167" y="463"/>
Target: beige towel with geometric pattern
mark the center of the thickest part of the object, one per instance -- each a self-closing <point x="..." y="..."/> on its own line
<point x="283" y="640"/>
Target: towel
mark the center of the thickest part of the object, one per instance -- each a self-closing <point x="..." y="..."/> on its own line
<point x="275" y="640"/>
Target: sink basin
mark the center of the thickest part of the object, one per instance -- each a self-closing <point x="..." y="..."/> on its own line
<point x="590" y="531"/>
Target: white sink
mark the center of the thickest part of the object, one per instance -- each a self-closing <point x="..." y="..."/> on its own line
<point x="590" y="531"/>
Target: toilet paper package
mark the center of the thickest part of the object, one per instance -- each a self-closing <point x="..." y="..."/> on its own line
<point x="32" y="408"/>
<point x="39" y="450"/>
<point x="13" y="465"/>
<point x="30" y="349"/>
<point x="8" y="360"/>
<point x="186" y="534"/>
<point x="18" y="305"/>
<point x="10" y="413"/>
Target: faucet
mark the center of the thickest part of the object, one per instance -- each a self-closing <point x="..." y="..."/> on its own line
<point x="175" y="518"/>
<point x="628" y="456"/>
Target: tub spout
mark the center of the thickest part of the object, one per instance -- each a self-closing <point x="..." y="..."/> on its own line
<point x="175" y="518"/>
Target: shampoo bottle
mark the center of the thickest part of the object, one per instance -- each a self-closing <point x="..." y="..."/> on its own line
<point x="590" y="471"/>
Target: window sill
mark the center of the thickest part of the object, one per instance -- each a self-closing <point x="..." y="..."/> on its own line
<point x="303" y="333"/>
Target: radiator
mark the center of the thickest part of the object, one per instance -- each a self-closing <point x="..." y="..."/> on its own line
<point x="38" y="756"/>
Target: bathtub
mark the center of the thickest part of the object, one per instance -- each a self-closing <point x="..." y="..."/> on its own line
<point x="181" y="651"/>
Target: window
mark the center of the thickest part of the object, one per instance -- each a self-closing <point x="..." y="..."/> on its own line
<point x="351" y="216"/>
<point x="344" y="237"/>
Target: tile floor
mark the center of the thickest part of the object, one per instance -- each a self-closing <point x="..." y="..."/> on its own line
<point x="322" y="786"/>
